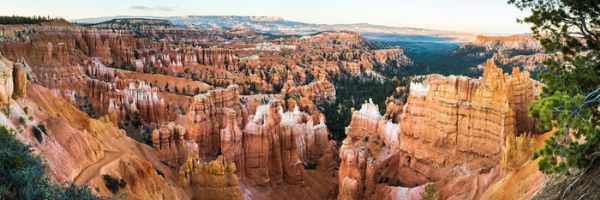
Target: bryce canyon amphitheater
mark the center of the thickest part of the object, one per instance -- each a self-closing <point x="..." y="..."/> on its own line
<point x="224" y="113"/>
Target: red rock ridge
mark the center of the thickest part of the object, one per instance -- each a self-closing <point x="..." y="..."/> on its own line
<point x="316" y="90"/>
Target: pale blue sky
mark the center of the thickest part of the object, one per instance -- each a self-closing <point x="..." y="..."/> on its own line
<point x="484" y="16"/>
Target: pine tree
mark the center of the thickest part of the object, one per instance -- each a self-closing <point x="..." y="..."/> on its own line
<point x="569" y="101"/>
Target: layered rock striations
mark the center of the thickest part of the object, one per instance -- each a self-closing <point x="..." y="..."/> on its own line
<point x="171" y="147"/>
<point x="369" y="147"/>
<point x="521" y="41"/>
<point x="6" y="80"/>
<point x="13" y="79"/>
<point x="210" y="180"/>
<point x="278" y="143"/>
<point x="323" y="90"/>
<point x="209" y="113"/>
<point x="456" y="124"/>
<point x="122" y="79"/>
<point x="450" y="127"/>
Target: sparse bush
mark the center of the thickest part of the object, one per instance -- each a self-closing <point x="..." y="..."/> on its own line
<point x="429" y="193"/>
<point x="113" y="184"/>
<point x="122" y="183"/>
<point x="311" y="162"/>
<point x="14" y="97"/>
<point x="42" y="127"/>
<point x="37" y="133"/>
<point x="137" y="119"/>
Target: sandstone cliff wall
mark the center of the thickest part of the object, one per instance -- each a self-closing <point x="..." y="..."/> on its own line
<point x="460" y="124"/>
<point x="171" y="147"/>
<point x="209" y="113"/>
<point x="450" y="127"/>
<point x="212" y="180"/>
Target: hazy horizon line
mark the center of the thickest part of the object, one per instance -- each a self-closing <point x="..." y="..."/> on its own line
<point x="283" y="19"/>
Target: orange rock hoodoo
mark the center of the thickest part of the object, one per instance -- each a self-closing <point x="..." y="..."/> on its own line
<point x="213" y="180"/>
<point x="369" y="135"/>
<point x="92" y="81"/>
<point x="208" y="115"/>
<point x="451" y="126"/>
<point x="461" y="124"/>
<point x="277" y="143"/>
<point x="170" y="146"/>
<point x="316" y="90"/>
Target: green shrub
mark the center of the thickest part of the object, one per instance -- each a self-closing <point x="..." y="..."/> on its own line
<point x="429" y="193"/>
<point x="113" y="184"/>
<point x="37" y="133"/>
<point x="14" y="97"/>
<point x="24" y="176"/>
<point x="311" y="162"/>
<point x="122" y="183"/>
<point x="26" y="110"/>
<point x="42" y="128"/>
<point x="22" y="120"/>
<point x="26" y="19"/>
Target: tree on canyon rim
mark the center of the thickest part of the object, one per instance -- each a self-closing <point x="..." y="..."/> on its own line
<point x="571" y="98"/>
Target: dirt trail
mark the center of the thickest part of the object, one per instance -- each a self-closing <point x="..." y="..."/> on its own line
<point x="93" y="170"/>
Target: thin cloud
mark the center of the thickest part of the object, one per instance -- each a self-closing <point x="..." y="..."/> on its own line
<point x="155" y="8"/>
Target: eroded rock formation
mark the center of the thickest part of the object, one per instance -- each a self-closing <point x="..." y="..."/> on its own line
<point x="451" y="127"/>
<point x="6" y="81"/>
<point x="212" y="180"/>
<point x="369" y="136"/>
<point x="209" y="113"/>
<point x="171" y="147"/>
<point x="317" y="90"/>
<point x="458" y="124"/>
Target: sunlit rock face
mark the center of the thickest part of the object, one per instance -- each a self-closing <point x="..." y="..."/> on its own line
<point x="170" y="146"/>
<point x="6" y="82"/>
<point x="269" y="146"/>
<point x="457" y="124"/>
<point x="210" y="180"/>
<point x="450" y="126"/>
<point x="13" y="80"/>
<point x="209" y="114"/>
<point x="317" y="90"/>
<point x="370" y="144"/>
<point x="277" y="143"/>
